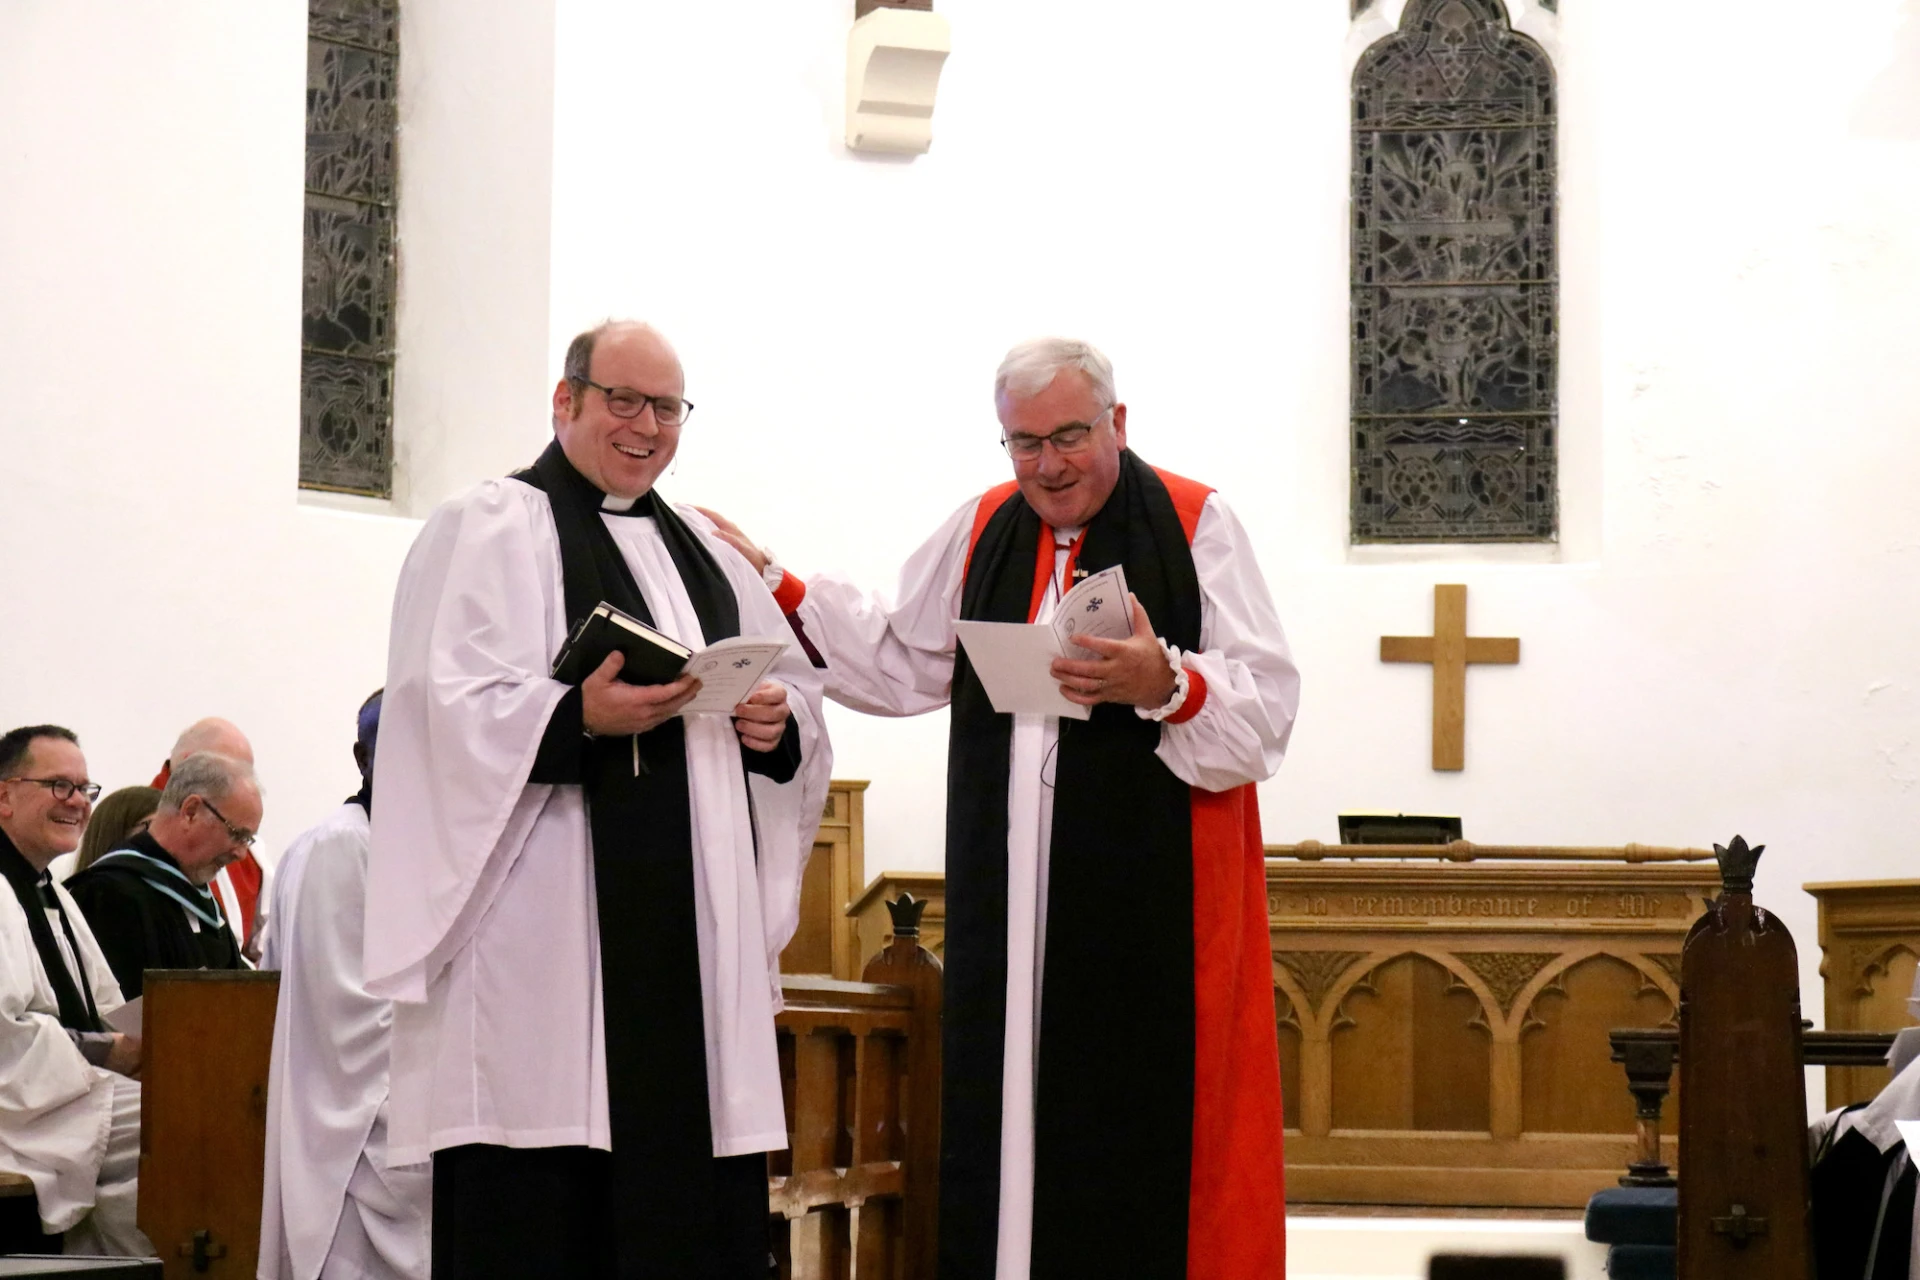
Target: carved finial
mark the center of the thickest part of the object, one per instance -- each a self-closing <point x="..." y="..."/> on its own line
<point x="1737" y="862"/>
<point x="905" y="911"/>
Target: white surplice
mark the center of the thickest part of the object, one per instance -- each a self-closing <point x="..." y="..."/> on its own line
<point x="895" y="658"/>
<point x="327" y="1091"/>
<point x="57" y="1111"/>
<point x="482" y="923"/>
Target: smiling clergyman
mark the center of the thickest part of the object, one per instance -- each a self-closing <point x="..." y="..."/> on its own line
<point x="573" y="904"/>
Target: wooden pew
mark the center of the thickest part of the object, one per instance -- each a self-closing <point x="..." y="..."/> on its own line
<point x="1743" y="1190"/>
<point x="857" y="1190"/>
<point x="203" y="1118"/>
<point x="1744" y="1181"/>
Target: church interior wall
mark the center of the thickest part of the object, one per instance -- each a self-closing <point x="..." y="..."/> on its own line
<point x="160" y="565"/>
<point x="1723" y="641"/>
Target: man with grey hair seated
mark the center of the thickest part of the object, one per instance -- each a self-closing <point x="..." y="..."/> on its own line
<point x="148" y="903"/>
<point x="1060" y="1119"/>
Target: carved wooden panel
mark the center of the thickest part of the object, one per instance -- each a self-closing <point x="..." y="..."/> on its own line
<point x="1290" y="1039"/>
<point x="1400" y="954"/>
<point x="1870" y="944"/>
<point x="1566" y="1034"/>
<point x="1452" y="1023"/>
<point x="827" y="941"/>
<point x="1411" y="1051"/>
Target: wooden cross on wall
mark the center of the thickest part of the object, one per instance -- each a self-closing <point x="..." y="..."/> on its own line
<point x="1449" y="649"/>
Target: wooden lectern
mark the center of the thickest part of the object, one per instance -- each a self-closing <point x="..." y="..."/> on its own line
<point x="203" y="1118"/>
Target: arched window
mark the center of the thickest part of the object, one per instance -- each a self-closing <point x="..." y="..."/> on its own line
<point x="1454" y="281"/>
<point x="348" y="297"/>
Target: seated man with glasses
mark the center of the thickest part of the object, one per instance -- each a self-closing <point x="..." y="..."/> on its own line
<point x="1141" y="822"/>
<point x="70" y="1113"/>
<point x="148" y="902"/>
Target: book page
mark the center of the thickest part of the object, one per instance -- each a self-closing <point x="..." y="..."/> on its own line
<point x="1012" y="661"/>
<point x="1096" y="607"/>
<point x="127" y="1018"/>
<point x="728" y="671"/>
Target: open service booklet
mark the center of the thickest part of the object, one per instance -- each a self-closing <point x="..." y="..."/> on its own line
<point x="728" y="669"/>
<point x="1014" y="659"/>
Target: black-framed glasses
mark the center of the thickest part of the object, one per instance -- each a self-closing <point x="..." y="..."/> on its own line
<point x="1072" y="438"/>
<point x="239" y="835"/>
<point x="63" y="788"/>
<point x="625" y="402"/>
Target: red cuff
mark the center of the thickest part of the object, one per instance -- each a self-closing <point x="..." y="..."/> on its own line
<point x="790" y="592"/>
<point x="1196" y="698"/>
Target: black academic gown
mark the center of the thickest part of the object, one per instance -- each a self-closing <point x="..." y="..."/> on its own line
<point x="141" y="925"/>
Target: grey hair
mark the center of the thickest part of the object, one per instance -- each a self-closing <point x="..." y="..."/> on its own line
<point x="205" y="774"/>
<point x="1033" y="365"/>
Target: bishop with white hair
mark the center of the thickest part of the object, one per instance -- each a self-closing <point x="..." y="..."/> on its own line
<point x="1112" y="1078"/>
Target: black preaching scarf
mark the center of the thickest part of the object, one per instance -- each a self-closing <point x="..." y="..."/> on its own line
<point x="77" y="1012"/>
<point x="666" y="1181"/>
<point x="1113" y="1106"/>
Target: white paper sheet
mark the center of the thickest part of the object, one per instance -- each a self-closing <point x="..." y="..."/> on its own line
<point x="1012" y="660"/>
<point x="126" y="1019"/>
<point x="729" y="670"/>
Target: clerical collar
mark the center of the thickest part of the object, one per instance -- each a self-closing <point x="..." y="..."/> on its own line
<point x="611" y="503"/>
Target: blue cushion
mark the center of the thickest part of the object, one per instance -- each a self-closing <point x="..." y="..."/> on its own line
<point x="1641" y="1262"/>
<point x="1634" y="1215"/>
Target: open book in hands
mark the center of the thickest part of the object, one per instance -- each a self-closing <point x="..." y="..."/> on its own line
<point x="1014" y="659"/>
<point x="728" y="669"/>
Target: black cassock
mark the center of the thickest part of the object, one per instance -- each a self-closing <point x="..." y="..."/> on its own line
<point x="147" y="915"/>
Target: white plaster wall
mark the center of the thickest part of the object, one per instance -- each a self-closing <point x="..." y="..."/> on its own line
<point x="158" y="567"/>
<point x="1726" y="639"/>
<point x="476" y="163"/>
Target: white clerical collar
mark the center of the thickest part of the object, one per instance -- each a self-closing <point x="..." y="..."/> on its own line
<point x="612" y="503"/>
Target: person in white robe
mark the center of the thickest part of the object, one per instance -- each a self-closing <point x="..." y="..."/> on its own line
<point x="334" y="1207"/>
<point x="69" y="1105"/>
<point x="490" y="920"/>
<point x="1027" y="1116"/>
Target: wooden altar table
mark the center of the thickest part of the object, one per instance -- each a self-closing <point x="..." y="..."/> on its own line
<point x="1443" y="1027"/>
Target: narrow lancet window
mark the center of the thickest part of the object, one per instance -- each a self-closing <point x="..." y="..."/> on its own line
<point x="1454" y="340"/>
<point x="347" y="325"/>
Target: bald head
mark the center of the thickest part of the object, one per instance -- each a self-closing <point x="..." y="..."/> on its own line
<point x="221" y="737"/>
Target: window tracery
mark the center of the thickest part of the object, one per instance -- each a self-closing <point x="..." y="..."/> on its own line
<point x="1454" y="287"/>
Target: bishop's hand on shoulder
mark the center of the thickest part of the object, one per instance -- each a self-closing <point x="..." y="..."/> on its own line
<point x="761" y="721"/>
<point x="729" y="532"/>
<point x="611" y="708"/>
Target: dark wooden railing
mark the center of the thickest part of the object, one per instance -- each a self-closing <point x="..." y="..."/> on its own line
<point x="858" y="1186"/>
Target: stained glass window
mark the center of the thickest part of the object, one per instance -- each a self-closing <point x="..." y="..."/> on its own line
<point x="347" y="325"/>
<point x="1454" y="341"/>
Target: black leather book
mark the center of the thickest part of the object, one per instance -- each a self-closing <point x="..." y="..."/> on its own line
<point x="652" y="657"/>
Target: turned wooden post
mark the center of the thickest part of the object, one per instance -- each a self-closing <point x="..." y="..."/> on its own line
<point x="1648" y="1058"/>
<point x="906" y="963"/>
